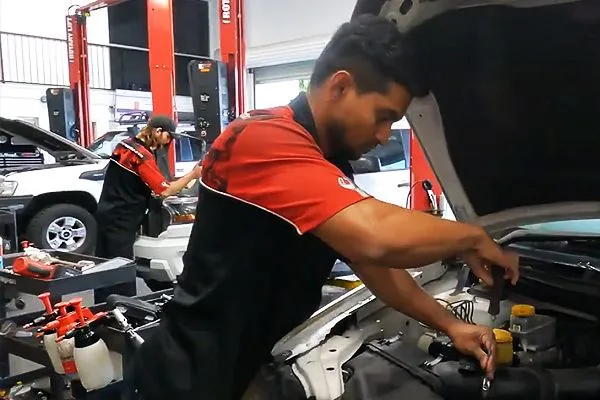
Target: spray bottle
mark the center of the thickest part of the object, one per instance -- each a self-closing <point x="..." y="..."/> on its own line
<point x="50" y="315"/>
<point x="65" y="323"/>
<point x="91" y="355"/>
<point x="49" y="339"/>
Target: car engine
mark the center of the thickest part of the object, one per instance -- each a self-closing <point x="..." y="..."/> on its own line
<point x="547" y="329"/>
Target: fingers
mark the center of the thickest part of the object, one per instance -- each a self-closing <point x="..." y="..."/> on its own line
<point x="482" y="273"/>
<point x="489" y="349"/>
<point x="482" y="357"/>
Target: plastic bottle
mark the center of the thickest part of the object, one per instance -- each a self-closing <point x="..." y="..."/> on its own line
<point x="504" y="341"/>
<point x="66" y="322"/>
<point x="521" y="317"/>
<point x="65" y="349"/>
<point x="94" y="364"/>
<point x="51" y="347"/>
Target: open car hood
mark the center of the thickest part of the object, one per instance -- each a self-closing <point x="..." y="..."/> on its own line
<point x="510" y="121"/>
<point x="59" y="147"/>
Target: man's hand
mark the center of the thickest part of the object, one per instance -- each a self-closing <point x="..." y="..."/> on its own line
<point x="486" y="254"/>
<point x="477" y="341"/>
<point x="197" y="171"/>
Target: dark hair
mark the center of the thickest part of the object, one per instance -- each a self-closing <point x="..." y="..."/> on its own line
<point x="373" y="50"/>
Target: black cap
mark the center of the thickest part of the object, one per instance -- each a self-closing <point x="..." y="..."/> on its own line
<point x="162" y="121"/>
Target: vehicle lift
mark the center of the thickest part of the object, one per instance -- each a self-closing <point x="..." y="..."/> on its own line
<point x="425" y="191"/>
<point x="161" y="59"/>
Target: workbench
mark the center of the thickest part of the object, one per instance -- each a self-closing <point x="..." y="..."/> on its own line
<point x="31" y="348"/>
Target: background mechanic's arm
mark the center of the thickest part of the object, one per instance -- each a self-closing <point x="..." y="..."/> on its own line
<point x="150" y="173"/>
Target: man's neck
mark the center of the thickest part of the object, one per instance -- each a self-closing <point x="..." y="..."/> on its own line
<point x="317" y="110"/>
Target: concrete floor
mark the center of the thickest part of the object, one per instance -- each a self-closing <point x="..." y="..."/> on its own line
<point x="32" y="304"/>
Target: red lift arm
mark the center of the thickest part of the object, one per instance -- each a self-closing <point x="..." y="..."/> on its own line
<point x="233" y="51"/>
<point x="161" y="63"/>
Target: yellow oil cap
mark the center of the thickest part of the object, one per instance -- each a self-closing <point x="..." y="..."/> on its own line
<point x="523" y="310"/>
<point x="503" y="336"/>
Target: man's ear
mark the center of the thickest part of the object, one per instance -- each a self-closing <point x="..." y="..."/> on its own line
<point x="340" y="84"/>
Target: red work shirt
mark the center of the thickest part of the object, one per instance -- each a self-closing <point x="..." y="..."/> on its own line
<point x="252" y="270"/>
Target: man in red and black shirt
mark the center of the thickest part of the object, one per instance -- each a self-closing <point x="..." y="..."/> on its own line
<point x="278" y="206"/>
<point x="131" y="178"/>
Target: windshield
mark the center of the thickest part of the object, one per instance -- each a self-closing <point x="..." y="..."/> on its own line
<point x="105" y="145"/>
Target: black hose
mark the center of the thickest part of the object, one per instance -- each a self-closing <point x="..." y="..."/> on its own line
<point x="518" y="383"/>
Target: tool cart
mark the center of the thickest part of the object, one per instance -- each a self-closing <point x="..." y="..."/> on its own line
<point x="123" y="323"/>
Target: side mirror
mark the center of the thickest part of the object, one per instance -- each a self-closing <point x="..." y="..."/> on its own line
<point x="365" y="164"/>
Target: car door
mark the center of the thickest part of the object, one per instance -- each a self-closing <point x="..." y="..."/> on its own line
<point x="384" y="172"/>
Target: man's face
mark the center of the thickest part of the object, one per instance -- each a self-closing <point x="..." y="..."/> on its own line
<point x="163" y="137"/>
<point x="356" y="123"/>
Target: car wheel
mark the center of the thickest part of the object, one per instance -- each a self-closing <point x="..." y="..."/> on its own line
<point x="66" y="227"/>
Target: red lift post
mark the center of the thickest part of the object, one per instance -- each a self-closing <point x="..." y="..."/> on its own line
<point x="161" y="63"/>
<point x="420" y="175"/>
<point x="233" y="51"/>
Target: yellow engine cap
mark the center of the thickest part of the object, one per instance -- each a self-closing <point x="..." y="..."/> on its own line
<point x="523" y="310"/>
<point x="503" y="336"/>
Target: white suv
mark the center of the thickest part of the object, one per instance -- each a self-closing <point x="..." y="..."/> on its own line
<point x="55" y="202"/>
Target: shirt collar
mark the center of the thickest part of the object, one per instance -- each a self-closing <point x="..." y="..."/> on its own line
<point x="303" y="116"/>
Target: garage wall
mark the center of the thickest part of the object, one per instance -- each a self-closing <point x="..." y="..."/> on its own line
<point x="281" y="32"/>
<point x="46" y="18"/>
<point x="26" y="101"/>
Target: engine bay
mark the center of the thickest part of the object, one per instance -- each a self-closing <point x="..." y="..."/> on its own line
<point x="547" y="329"/>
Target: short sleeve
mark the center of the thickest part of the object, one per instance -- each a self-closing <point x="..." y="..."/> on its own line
<point x="151" y="175"/>
<point x="277" y="166"/>
<point x="141" y="162"/>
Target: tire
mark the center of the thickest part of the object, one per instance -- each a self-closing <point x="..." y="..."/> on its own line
<point x="66" y="234"/>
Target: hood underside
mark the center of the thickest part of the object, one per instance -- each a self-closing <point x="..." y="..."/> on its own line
<point x="57" y="146"/>
<point x="509" y="124"/>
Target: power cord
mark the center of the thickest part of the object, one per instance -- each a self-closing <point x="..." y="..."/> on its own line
<point x="464" y="310"/>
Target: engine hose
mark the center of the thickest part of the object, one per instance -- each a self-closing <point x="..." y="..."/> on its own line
<point x="518" y="383"/>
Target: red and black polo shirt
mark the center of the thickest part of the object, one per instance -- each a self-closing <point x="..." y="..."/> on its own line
<point x="252" y="269"/>
<point x="132" y="175"/>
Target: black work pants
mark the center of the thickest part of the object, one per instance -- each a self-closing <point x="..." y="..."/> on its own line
<point x="112" y="242"/>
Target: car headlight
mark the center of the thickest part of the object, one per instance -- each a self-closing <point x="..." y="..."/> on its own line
<point x="8" y="188"/>
<point x="182" y="210"/>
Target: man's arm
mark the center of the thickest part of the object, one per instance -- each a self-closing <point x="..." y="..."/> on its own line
<point x="276" y="166"/>
<point x="149" y="172"/>
<point x="372" y="232"/>
<point x="397" y="289"/>
<point x="178" y="185"/>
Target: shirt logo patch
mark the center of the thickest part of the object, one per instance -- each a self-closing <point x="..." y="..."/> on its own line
<point x="346" y="183"/>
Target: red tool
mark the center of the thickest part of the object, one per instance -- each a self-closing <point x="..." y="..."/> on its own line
<point x="69" y="313"/>
<point x="50" y="315"/>
<point x="26" y="266"/>
<point x="80" y="317"/>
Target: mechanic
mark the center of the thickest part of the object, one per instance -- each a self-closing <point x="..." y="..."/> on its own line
<point x="279" y="206"/>
<point x="132" y="176"/>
